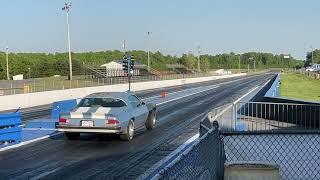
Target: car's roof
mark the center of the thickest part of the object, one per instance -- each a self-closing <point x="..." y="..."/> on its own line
<point x="119" y="95"/>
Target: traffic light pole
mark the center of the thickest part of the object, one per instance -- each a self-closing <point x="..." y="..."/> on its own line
<point x="129" y="73"/>
<point x="128" y="66"/>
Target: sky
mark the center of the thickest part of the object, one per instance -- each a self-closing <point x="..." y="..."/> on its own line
<point x="176" y="26"/>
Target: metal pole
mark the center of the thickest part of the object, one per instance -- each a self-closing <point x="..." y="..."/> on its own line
<point x="129" y="83"/>
<point x="69" y="46"/>
<point x="311" y="55"/>
<point x="198" y="58"/>
<point x="239" y="62"/>
<point x="7" y="60"/>
<point x="67" y="9"/>
<point x="149" y="52"/>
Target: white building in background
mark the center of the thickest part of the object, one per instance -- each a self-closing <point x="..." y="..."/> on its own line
<point x="112" y="65"/>
<point x="115" y="68"/>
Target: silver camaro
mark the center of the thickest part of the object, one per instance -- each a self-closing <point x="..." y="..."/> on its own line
<point x="108" y="112"/>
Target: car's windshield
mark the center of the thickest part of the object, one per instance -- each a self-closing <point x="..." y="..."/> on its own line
<point x="102" y="102"/>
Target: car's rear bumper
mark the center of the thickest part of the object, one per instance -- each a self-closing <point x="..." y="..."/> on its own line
<point x="108" y="130"/>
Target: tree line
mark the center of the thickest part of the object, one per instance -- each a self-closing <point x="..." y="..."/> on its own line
<point x="34" y="65"/>
<point x="312" y="57"/>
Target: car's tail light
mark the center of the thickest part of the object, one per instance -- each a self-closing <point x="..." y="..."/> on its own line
<point x="112" y="120"/>
<point x="63" y="120"/>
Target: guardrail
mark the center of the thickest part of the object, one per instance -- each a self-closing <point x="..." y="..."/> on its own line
<point x="274" y="89"/>
<point x="10" y="130"/>
<point x="265" y="116"/>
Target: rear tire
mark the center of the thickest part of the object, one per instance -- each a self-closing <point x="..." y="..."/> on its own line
<point x="72" y="136"/>
<point x="151" y="121"/>
<point x="130" y="132"/>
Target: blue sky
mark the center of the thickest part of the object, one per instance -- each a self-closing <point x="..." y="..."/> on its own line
<point x="176" y="26"/>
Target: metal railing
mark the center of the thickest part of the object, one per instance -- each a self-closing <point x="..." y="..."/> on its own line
<point x="252" y="116"/>
<point x="314" y="75"/>
<point x="294" y="151"/>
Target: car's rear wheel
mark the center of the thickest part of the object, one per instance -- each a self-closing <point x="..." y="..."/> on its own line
<point x="130" y="132"/>
<point x="151" y="121"/>
<point x="72" y="136"/>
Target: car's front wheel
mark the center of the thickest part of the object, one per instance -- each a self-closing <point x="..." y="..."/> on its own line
<point x="129" y="133"/>
<point x="72" y="136"/>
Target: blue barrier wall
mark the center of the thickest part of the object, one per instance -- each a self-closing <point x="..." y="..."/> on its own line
<point x="57" y="108"/>
<point x="274" y="89"/>
<point x="10" y="130"/>
<point x="62" y="106"/>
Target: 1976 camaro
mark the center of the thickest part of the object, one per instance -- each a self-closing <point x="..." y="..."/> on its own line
<point x="108" y="112"/>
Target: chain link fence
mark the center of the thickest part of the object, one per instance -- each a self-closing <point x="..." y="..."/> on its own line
<point x="293" y="151"/>
<point x="296" y="152"/>
<point x="201" y="161"/>
<point x="60" y="83"/>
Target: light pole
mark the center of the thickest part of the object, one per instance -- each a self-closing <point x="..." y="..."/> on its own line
<point x="198" y="58"/>
<point x="239" y="62"/>
<point x="124" y="46"/>
<point x="67" y="7"/>
<point x="148" y="51"/>
<point x="254" y="63"/>
<point x="7" y="60"/>
<point x="29" y="71"/>
<point x="311" y="55"/>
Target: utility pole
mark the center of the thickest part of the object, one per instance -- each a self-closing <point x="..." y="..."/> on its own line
<point x="311" y="55"/>
<point x="239" y="62"/>
<point x="67" y="8"/>
<point x="198" y="58"/>
<point x="148" y="51"/>
<point x="254" y="63"/>
<point x="7" y="60"/>
<point x="124" y="46"/>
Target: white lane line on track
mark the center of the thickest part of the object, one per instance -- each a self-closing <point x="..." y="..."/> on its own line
<point x="28" y="142"/>
<point x="170" y="156"/>
<point x="213" y="87"/>
<point x="187" y="95"/>
<point x="174" y="92"/>
<point x="40" y="129"/>
<point x="42" y="175"/>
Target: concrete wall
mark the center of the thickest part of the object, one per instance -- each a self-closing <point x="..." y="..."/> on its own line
<point x="274" y="89"/>
<point x="41" y="98"/>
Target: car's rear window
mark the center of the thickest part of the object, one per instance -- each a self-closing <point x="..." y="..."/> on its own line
<point x="101" y="102"/>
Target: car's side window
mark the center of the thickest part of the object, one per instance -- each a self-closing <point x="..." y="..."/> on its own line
<point x="134" y="101"/>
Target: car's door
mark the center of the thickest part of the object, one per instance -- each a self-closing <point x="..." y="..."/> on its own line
<point x="139" y="110"/>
